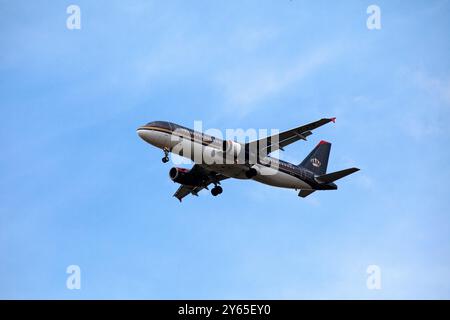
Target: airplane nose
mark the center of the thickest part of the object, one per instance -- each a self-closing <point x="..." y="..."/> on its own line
<point x="146" y="135"/>
<point x="141" y="133"/>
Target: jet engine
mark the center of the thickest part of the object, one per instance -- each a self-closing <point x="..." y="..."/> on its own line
<point x="182" y="176"/>
<point x="252" y="172"/>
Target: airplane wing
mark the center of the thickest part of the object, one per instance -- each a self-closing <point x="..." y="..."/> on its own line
<point x="285" y="138"/>
<point x="205" y="175"/>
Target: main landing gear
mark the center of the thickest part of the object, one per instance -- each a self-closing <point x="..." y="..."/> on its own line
<point x="165" y="159"/>
<point x="216" y="190"/>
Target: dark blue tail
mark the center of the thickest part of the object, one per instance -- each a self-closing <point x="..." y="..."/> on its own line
<point x="317" y="160"/>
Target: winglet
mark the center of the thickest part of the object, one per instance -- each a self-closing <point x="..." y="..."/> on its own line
<point x="323" y="142"/>
<point x="333" y="119"/>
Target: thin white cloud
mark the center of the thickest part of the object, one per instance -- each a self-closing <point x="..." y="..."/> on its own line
<point x="246" y="85"/>
<point x="439" y="88"/>
<point x="251" y="39"/>
<point x="429" y="107"/>
<point x="419" y="128"/>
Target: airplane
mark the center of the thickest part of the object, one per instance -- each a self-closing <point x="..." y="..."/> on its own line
<point x="225" y="159"/>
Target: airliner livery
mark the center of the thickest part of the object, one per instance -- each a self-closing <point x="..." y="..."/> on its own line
<point x="216" y="159"/>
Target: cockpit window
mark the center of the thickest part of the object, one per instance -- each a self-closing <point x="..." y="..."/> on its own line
<point x="160" y="124"/>
<point x="176" y="126"/>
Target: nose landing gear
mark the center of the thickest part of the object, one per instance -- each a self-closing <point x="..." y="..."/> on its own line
<point x="165" y="159"/>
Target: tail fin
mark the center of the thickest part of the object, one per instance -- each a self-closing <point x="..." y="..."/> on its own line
<point x="327" y="178"/>
<point x="317" y="160"/>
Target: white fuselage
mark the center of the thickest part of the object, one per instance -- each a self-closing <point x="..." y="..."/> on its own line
<point x="214" y="159"/>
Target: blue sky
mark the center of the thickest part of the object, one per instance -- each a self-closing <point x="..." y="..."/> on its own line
<point x="79" y="187"/>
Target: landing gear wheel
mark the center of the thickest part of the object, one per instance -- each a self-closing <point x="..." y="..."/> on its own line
<point x="216" y="191"/>
<point x="166" y="155"/>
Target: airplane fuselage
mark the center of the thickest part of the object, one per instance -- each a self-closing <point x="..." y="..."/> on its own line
<point x="284" y="175"/>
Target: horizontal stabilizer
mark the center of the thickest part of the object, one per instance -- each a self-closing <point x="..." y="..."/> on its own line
<point x="305" y="193"/>
<point x="330" y="177"/>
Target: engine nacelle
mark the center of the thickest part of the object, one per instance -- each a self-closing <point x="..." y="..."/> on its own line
<point x="252" y="172"/>
<point x="182" y="176"/>
<point x="232" y="148"/>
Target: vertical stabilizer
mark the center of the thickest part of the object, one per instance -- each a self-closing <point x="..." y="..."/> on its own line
<point x="317" y="160"/>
